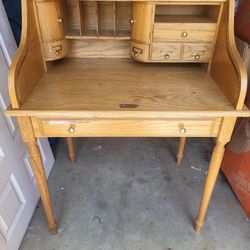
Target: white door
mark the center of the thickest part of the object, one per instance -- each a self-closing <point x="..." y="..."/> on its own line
<point x="18" y="191"/>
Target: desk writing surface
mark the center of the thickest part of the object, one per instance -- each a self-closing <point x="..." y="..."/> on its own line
<point x="105" y="84"/>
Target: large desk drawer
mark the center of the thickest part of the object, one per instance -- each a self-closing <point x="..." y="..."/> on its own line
<point x="183" y="33"/>
<point x="126" y="127"/>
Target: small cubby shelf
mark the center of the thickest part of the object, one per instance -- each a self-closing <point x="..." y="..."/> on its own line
<point x="187" y="14"/>
<point x="102" y="20"/>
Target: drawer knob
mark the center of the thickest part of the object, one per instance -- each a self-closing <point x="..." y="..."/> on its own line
<point x="57" y="52"/>
<point x="183" y="130"/>
<point x="197" y="57"/>
<point x="60" y="20"/>
<point x="132" y="21"/>
<point x="184" y="34"/>
<point x="137" y="51"/>
<point x="71" y="130"/>
<point x="167" y="56"/>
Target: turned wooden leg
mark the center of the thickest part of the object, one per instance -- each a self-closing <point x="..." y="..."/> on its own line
<point x="181" y="146"/>
<point x="38" y="169"/>
<point x="224" y="136"/>
<point x="213" y="171"/>
<point x="71" y="149"/>
<point x="42" y="185"/>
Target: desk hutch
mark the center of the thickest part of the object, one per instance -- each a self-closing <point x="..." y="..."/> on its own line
<point x="154" y="68"/>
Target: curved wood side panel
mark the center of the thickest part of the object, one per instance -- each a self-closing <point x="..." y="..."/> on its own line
<point x="227" y="68"/>
<point x="27" y="66"/>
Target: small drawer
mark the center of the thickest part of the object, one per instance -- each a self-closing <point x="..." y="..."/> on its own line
<point x="139" y="51"/>
<point x="126" y="127"/>
<point x="184" y="32"/>
<point x="197" y="52"/>
<point x="166" y="52"/>
<point x="54" y="50"/>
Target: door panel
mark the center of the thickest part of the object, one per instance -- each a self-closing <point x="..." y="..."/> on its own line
<point x="18" y="190"/>
<point x="52" y="29"/>
<point x="142" y="16"/>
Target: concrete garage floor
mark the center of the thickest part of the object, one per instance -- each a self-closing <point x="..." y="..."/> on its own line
<point x="128" y="194"/>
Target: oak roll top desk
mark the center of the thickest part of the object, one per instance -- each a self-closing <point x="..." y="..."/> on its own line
<point x="127" y="69"/>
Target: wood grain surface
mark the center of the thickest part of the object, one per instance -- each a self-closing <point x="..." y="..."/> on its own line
<point x="72" y="84"/>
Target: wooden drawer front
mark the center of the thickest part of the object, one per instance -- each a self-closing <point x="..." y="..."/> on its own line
<point x="197" y="52"/>
<point x="54" y="50"/>
<point x="165" y="32"/>
<point x="166" y="52"/>
<point x="139" y="51"/>
<point x="126" y="127"/>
